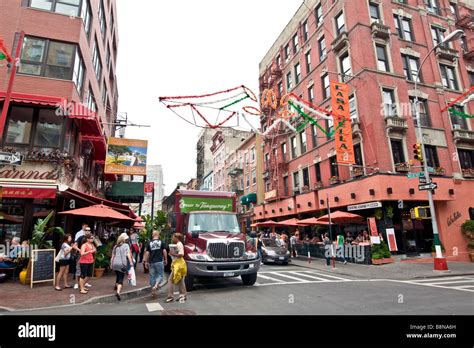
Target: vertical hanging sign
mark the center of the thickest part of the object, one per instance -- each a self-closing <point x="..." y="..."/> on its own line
<point x="342" y="122"/>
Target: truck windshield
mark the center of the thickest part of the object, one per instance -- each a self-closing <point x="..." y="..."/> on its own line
<point x="210" y="222"/>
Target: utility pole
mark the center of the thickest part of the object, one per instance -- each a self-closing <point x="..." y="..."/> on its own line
<point x="330" y="231"/>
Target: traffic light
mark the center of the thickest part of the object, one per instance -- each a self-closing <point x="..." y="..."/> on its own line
<point x="418" y="152"/>
<point x="421" y="213"/>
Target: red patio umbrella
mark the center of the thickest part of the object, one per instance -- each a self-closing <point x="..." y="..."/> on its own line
<point x="291" y="222"/>
<point x="138" y="226"/>
<point x="341" y="217"/>
<point x="268" y="223"/>
<point x="99" y="211"/>
<point x="312" y="221"/>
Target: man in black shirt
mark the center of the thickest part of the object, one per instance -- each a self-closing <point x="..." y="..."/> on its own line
<point x="155" y="259"/>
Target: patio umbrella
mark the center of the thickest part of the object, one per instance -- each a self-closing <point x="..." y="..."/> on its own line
<point x="138" y="226"/>
<point x="341" y="217"/>
<point x="99" y="211"/>
<point x="312" y="221"/>
<point x="268" y="223"/>
<point x="9" y="219"/>
<point x="291" y="222"/>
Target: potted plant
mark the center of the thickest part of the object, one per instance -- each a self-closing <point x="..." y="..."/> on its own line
<point x="101" y="262"/>
<point x="467" y="229"/>
<point x="381" y="254"/>
<point x="389" y="212"/>
<point x="357" y="171"/>
<point x="439" y="171"/>
<point x="41" y="238"/>
<point x="334" y="180"/>
<point x="378" y="214"/>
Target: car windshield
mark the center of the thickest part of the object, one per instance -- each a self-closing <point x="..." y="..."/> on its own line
<point x="213" y="222"/>
<point x="271" y="242"/>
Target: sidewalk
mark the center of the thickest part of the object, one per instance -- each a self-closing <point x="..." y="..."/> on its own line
<point x="15" y="296"/>
<point x="397" y="270"/>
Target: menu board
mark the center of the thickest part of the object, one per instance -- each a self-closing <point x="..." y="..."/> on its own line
<point x="43" y="266"/>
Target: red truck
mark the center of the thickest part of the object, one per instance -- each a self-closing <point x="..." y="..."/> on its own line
<point x="214" y="245"/>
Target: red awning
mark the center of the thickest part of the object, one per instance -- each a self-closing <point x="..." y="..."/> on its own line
<point x="100" y="147"/>
<point x="33" y="99"/>
<point x="28" y="192"/>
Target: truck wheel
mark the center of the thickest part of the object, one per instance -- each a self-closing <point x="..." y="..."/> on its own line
<point x="189" y="282"/>
<point x="249" y="279"/>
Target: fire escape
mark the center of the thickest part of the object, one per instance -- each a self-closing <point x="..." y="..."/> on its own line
<point x="465" y="21"/>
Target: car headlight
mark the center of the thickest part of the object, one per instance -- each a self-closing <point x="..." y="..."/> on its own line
<point x="271" y="253"/>
<point x="250" y="255"/>
<point x="199" y="257"/>
<point x="287" y="252"/>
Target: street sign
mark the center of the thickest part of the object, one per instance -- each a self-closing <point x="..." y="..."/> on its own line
<point x="422" y="180"/>
<point x="149" y="187"/>
<point x="429" y="186"/>
<point x="363" y="206"/>
<point x="416" y="175"/>
<point x="13" y="159"/>
<point x="430" y="169"/>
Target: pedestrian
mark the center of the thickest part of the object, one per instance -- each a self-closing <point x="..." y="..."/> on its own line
<point x="121" y="262"/>
<point x="293" y="246"/>
<point x="64" y="260"/>
<point x="178" y="269"/>
<point x="327" y="249"/>
<point x="86" y="261"/>
<point x="155" y="260"/>
<point x="134" y="247"/>
<point x="78" y="241"/>
<point x="259" y="248"/>
<point x="340" y="246"/>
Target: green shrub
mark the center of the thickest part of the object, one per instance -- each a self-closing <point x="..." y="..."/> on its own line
<point x="380" y="251"/>
<point x="467" y="228"/>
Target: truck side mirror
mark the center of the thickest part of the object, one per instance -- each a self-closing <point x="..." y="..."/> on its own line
<point x="253" y="234"/>
<point x="195" y="234"/>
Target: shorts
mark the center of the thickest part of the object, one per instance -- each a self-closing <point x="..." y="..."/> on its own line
<point x="86" y="270"/>
<point x="64" y="262"/>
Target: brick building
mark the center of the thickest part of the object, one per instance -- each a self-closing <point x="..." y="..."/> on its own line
<point x="63" y="106"/>
<point x="376" y="48"/>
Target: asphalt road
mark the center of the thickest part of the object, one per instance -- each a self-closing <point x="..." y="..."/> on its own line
<point x="289" y="290"/>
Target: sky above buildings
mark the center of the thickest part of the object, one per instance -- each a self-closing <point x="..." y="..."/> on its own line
<point x="188" y="47"/>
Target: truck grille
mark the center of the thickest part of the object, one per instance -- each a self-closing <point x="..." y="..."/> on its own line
<point x="220" y="250"/>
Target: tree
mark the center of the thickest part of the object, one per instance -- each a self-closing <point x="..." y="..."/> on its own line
<point x="41" y="233"/>
<point x="117" y="151"/>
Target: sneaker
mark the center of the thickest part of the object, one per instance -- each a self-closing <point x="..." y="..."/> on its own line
<point x="76" y="286"/>
<point x="88" y="285"/>
<point x="345" y="262"/>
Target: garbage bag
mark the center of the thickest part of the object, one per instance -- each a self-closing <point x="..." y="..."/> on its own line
<point x="179" y="269"/>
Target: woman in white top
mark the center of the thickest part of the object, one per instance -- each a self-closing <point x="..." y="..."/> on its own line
<point x="64" y="259"/>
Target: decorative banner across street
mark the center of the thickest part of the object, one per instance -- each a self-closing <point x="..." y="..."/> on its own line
<point x="342" y="116"/>
<point x="126" y="156"/>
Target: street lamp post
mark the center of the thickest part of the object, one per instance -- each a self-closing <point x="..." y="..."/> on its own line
<point x="439" y="261"/>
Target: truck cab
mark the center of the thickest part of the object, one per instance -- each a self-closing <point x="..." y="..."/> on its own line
<point x="214" y="245"/>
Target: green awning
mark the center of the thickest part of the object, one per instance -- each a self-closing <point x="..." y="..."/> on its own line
<point x="243" y="200"/>
<point x="126" y="192"/>
<point x="252" y="198"/>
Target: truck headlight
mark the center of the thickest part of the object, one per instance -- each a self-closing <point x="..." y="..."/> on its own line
<point x="199" y="257"/>
<point x="250" y="255"/>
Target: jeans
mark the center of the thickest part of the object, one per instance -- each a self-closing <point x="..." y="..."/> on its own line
<point x="157" y="271"/>
<point x="259" y="253"/>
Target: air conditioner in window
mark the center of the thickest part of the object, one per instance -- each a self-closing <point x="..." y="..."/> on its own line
<point x="456" y="126"/>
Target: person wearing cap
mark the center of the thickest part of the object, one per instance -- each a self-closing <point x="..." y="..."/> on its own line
<point x="86" y="261"/>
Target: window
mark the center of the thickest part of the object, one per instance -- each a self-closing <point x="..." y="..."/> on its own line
<point x="267" y="161"/>
<point x="102" y="19"/>
<point x="424" y="115"/>
<point x="374" y="12"/>
<point x="285" y="185"/>
<point x="289" y="83"/>
<point x="306" y="177"/>
<point x="96" y="60"/>
<point x="358" y="155"/>
<point x="438" y="36"/>
<point x="308" y="62"/>
<point x="86" y="17"/>
<point x="303" y="141"/>
<point x="322" y="48"/>
<point x="329" y="127"/>
<point x="448" y="76"/>
<point x="397" y="151"/>
<point x="280" y="88"/>
<point x="382" y="60"/>
<point x="104" y="94"/>
<point x="247" y="180"/>
<point x="317" y="170"/>
<point x="410" y="67"/>
<point x="314" y="135"/>
<point x="20" y="125"/>
<point x="112" y="21"/>
<point x="296" y="181"/>
<point x="326" y="85"/>
<point x="345" y="64"/>
<point x="305" y="31"/>
<point x="48" y="129"/>
<point x="432" y="6"/>
<point x="47" y="58"/>
<point x="287" y="51"/>
<point x="431" y="156"/>
<point x="107" y="55"/>
<point x="278" y="61"/>
<point x="340" y="24"/>
<point x="78" y="73"/>
<point x="390" y="106"/>
<point x="403" y="27"/>
<point x="466" y="158"/>
<point x="457" y="121"/>
<point x="293" y="147"/>
<point x="254" y="177"/>
<point x="353" y="107"/>
<point x="295" y="43"/>
<point x="471" y="77"/>
<point x="283" y="151"/>
<point x="310" y="94"/>
<point x="252" y="154"/>
<point x="297" y="73"/>
<point x="333" y="166"/>
<point x="454" y="9"/>
<point x="318" y="13"/>
<point x="66" y="7"/>
<point x="91" y="104"/>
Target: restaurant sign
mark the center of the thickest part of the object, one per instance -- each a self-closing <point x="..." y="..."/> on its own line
<point x="363" y="206"/>
<point x="26" y="192"/>
<point x="188" y="204"/>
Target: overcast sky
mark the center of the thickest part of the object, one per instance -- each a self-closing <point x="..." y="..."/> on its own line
<point x="186" y="47"/>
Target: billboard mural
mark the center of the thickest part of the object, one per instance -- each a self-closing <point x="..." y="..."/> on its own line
<point x="126" y="156"/>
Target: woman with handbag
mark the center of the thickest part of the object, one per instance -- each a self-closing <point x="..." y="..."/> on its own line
<point x="64" y="259"/>
<point x="121" y="259"/>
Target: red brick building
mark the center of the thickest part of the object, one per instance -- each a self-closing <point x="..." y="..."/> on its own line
<point x="63" y="106"/>
<point x="376" y="47"/>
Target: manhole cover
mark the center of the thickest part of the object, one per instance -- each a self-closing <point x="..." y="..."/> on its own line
<point x="178" y="312"/>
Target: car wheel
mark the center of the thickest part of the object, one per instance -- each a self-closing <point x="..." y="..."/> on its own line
<point x="249" y="279"/>
<point x="285" y="263"/>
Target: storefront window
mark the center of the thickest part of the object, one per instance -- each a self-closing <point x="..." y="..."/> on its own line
<point x="19" y="125"/>
<point x="11" y="211"/>
<point x="48" y="129"/>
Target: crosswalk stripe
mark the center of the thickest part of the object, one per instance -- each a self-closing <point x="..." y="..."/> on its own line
<point x="429" y="280"/>
<point x="464" y="286"/>
<point x="153" y="307"/>
<point x="325" y="275"/>
<point x="453" y="282"/>
<point x="289" y="277"/>
<point x="270" y="278"/>
<point x="311" y="276"/>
